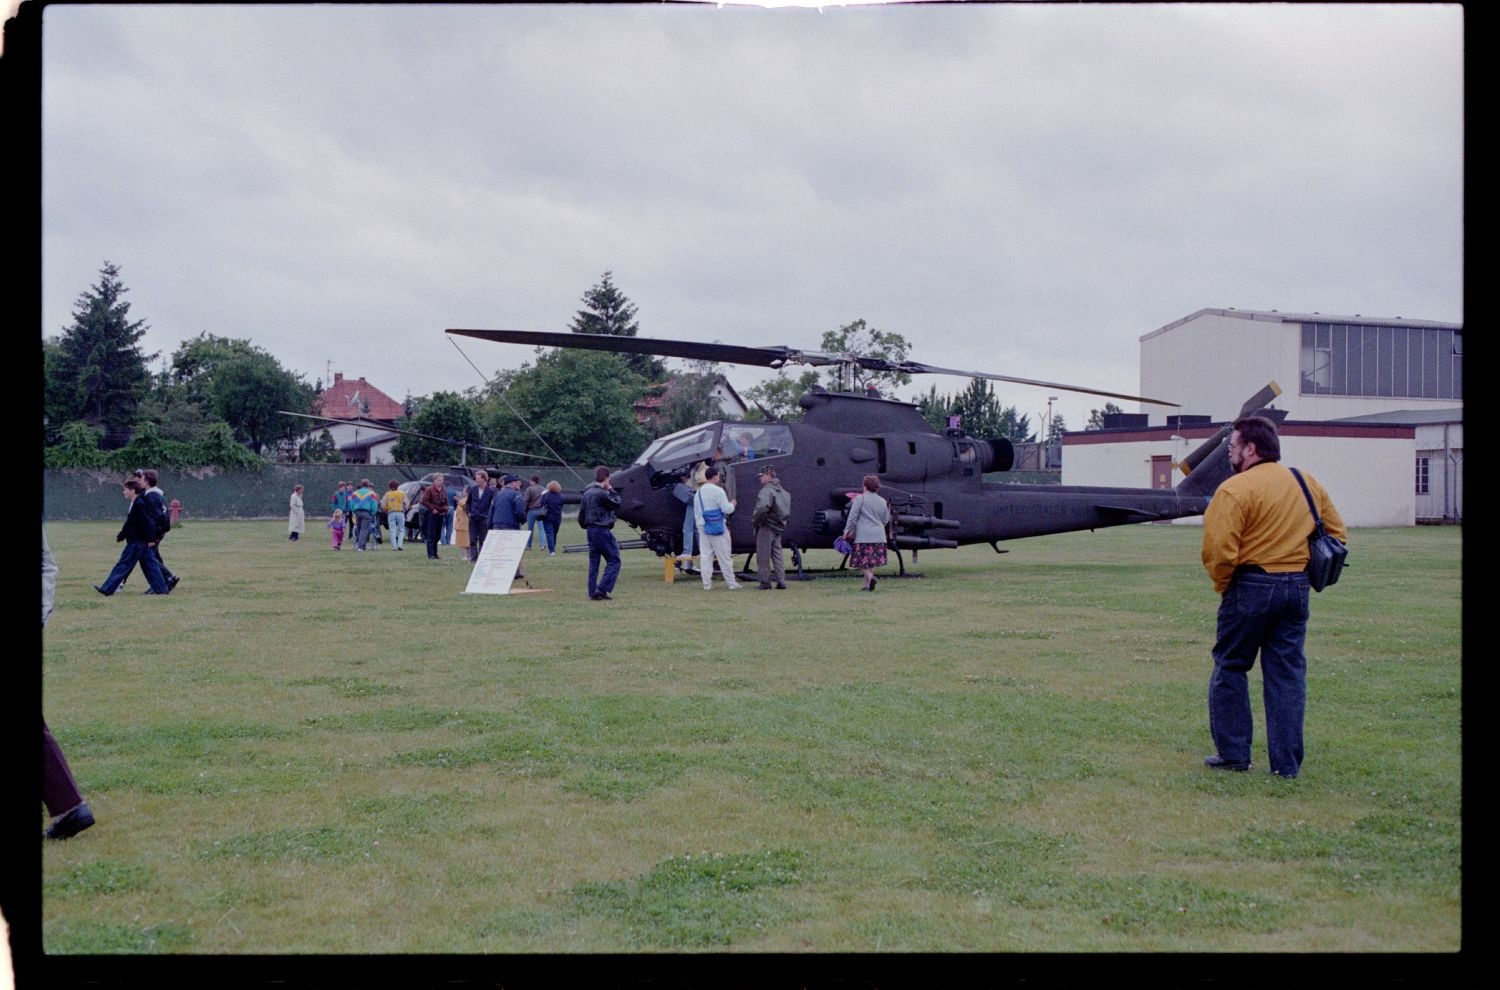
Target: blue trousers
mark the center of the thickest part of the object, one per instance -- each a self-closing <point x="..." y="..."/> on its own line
<point x="533" y="520"/>
<point x="603" y="545"/>
<point x="689" y="530"/>
<point x="136" y="553"/>
<point x="1264" y="614"/>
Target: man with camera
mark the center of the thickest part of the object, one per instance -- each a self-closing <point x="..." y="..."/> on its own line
<point x="1255" y="549"/>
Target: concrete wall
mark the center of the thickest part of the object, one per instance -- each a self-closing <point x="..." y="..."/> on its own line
<point x="214" y="493"/>
<point x="1368" y="472"/>
<point x="1443" y="445"/>
<point x="1212" y="364"/>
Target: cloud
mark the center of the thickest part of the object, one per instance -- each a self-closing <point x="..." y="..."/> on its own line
<point x="1017" y="188"/>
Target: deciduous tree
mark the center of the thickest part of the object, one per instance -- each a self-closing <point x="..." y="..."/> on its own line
<point x="442" y="414"/>
<point x="777" y="397"/>
<point x="247" y="391"/>
<point x="688" y="399"/>
<point x="582" y="402"/>
<point x="223" y="379"/>
<point x="861" y="339"/>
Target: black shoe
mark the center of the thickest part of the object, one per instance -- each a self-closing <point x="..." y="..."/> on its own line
<point x="172" y="582"/>
<point x="1284" y="776"/>
<point x="148" y="591"/>
<point x="72" y="823"/>
<point x="873" y="583"/>
<point x="1219" y="763"/>
<point x="764" y="587"/>
<point x="781" y="587"/>
<point x="600" y="596"/>
<point x="100" y="588"/>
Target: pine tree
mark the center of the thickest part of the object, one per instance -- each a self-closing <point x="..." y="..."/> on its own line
<point x="99" y="366"/>
<point x="611" y="312"/>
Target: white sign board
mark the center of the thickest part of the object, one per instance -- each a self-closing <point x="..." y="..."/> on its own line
<point x="498" y="560"/>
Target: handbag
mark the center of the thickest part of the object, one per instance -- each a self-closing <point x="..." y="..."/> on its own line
<point x="843" y="546"/>
<point x="713" y="519"/>
<point x="1326" y="555"/>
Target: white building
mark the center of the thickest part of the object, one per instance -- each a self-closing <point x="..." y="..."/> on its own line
<point x="1331" y="367"/>
<point x="1375" y="407"/>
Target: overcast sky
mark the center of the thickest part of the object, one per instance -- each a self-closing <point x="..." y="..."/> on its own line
<point x="1023" y="189"/>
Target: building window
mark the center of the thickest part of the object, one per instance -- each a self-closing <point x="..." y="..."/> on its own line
<point x="1401" y="362"/>
<point x="1422" y="478"/>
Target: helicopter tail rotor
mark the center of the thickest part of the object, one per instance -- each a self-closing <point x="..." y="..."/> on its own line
<point x="1208" y="465"/>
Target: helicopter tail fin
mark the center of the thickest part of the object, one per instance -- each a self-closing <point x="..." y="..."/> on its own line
<point x="1208" y="465"/>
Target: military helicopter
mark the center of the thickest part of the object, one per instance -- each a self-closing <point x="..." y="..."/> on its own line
<point x="933" y="481"/>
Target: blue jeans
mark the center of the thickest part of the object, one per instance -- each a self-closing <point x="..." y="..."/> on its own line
<point x="602" y="544"/>
<point x="135" y="553"/>
<point x="448" y="524"/>
<point x="550" y="529"/>
<point x="533" y="520"/>
<point x="689" y="530"/>
<point x="1265" y="614"/>
<point x="396" y="523"/>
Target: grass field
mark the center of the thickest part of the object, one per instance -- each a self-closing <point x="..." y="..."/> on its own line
<point x="308" y="751"/>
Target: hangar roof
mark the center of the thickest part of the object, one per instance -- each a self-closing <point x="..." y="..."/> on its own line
<point x="1273" y="316"/>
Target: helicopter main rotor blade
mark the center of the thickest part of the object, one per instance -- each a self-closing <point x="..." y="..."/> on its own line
<point x="766" y="357"/>
<point x="916" y="367"/>
<point x="370" y="424"/>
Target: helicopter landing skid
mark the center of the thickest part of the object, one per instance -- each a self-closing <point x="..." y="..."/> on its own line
<point x="843" y="570"/>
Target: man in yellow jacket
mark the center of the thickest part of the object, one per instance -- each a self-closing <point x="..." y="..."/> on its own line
<point x="1255" y="549"/>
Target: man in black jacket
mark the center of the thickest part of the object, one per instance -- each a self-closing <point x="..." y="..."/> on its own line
<point x="596" y="515"/>
<point x="138" y="534"/>
<point x="156" y="504"/>
<point x="478" y="507"/>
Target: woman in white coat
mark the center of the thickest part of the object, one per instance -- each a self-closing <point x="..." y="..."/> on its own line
<point x="296" y="521"/>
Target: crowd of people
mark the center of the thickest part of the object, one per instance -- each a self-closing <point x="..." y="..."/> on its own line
<point x="462" y="516"/>
<point x="445" y="514"/>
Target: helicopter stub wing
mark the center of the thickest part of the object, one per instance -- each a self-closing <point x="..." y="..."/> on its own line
<point x="1130" y="513"/>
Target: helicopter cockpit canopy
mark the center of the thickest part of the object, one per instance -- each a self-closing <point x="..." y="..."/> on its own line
<point x="741" y="442"/>
<point x="696" y="443"/>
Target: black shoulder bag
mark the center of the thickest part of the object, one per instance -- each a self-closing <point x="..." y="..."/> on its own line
<point x="1326" y="555"/>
